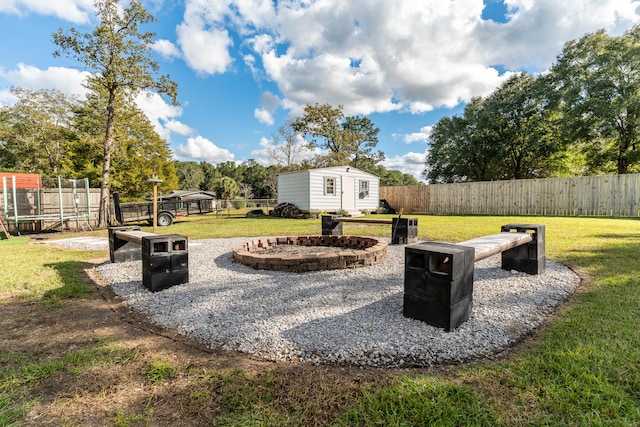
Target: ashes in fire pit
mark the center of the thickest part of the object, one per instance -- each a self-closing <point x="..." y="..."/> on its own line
<point x="310" y="253"/>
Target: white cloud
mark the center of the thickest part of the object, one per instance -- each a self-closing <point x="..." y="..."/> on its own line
<point x="177" y="127"/>
<point x="162" y="115"/>
<point x="202" y="37"/>
<point x="77" y="11"/>
<point x="263" y="116"/>
<point x="166" y="49"/>
<point x="200" y="148"/>
<point x="270" y="103"/>
<point x="422" y="136"/>
<point x="381" y="56"/>
<point x="537" y="30"/>
<point x="66" y="80"/>
<point x="411" y="163"/>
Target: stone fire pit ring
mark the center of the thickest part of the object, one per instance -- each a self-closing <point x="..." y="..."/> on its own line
<point x="300" y="254"/>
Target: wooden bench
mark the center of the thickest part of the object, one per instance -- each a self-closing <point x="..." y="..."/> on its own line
<point x="165" y="257"/>
<point x="403" y="230"/>
<point x="438" y="282"/>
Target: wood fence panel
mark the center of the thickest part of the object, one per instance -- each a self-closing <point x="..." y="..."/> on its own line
<point x="610" y="195"/>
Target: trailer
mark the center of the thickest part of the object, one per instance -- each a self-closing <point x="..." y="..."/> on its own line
<point x="168" y="209"/>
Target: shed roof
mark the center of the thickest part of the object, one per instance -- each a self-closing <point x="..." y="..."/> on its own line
<point x="189" y="194"/>
<point x="333" y="169"/>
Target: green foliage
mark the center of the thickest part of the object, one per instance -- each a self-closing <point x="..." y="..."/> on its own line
<point x="507" y="135"/>
<point x="191" y="176"/>
<point x="210" y="174"/>
<point x="348" y="140"/>
<point x="36" y="133"/>
<point x="226" y="188"/>
<point x="597" y="87"/>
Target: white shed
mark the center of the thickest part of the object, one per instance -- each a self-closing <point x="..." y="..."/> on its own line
<point x="330" y="189"/>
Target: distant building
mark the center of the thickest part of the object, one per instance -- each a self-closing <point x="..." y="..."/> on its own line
<point x="22" y="180"/>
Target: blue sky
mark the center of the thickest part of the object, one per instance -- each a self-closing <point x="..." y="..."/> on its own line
<point x="243" y="67"/>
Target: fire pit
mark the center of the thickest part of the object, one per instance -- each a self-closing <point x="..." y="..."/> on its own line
<point x="310" y="253"/>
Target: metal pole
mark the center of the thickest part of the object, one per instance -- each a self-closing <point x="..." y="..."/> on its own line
<point x="86" y="190"/>
<point x="39" y="207"/>
<point x="15" y="202"/>
<point x="5" y="197"/>
<point x="60" y="204"/>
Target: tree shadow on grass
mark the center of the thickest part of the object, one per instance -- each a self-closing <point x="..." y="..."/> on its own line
<point x="75" y="282"/>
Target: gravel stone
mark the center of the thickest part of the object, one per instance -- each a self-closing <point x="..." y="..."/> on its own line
<point x="351" y="316"/>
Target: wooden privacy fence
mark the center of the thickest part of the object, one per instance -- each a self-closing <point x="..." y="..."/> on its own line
<point x="610" y="195"/>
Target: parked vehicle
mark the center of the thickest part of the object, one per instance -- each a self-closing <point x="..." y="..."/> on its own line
<point x="168" y="210"/>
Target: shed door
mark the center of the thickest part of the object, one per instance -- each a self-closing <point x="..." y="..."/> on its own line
<point x="348" y="193"/>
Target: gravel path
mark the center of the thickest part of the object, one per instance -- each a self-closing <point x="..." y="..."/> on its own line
<point x="349" y="316"/>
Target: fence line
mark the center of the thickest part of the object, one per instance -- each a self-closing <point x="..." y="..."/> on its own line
<point x="610" y="195"/>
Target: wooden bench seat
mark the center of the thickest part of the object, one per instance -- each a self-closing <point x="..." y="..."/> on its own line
<point x="133" y="236"/>
<point x="496" y="243"/>
<point x="364" y="220"/>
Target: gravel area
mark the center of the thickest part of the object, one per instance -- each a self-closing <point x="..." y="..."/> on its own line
<point x="351" y="316"/>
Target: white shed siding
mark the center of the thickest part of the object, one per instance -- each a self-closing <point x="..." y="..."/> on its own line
<point x="306" y="189"/>
<point x="294" y="188"/>
<point x="319" y="200"/>
<point x="371" y="201"/>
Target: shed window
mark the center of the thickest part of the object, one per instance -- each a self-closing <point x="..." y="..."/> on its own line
<point x="364" y="189"/>
<point x="329" y="186"/>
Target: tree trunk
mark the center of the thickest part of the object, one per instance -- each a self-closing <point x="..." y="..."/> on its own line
<point x="623" y="161"/>
<point x="106" y="162"/>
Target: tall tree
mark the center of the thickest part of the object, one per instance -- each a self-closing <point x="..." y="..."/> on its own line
<point x="120" y="57"/>
<point x="36" y="131"/>
<point x="510" y="134"/>
<point x="460" y="149"/>
<point x="349" y="140"/>
<point x="520" y="126"/>
<point x="597" y="80"/>
<point x="287" y="149"/>
<point x="255" y="175"/>
<point x="230" y="169"/>
<point x="362" y="139"/>
<point x="226" y="188"/>
<point x="191" y="176"/>
<point x="210" y="175"/>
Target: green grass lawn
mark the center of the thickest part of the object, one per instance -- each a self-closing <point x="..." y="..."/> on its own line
<point x="582" y="369"/>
